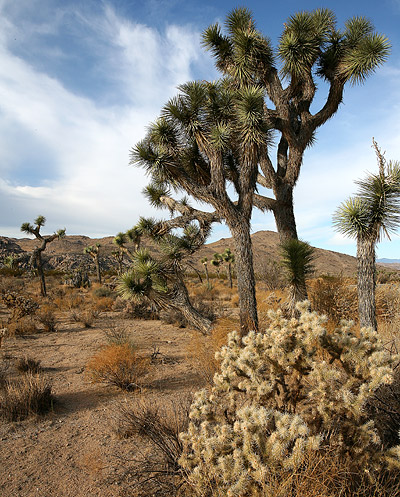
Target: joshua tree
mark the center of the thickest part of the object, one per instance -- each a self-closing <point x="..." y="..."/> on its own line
<point x="229" y="259"/>
<point x="207" y="137"/>
<point x="36" y="257"/>
<point x="204" y="261"/>
<point x="297" y="261"/>
<point x="160" y="279"/>
<point x="93" y="251"/>
<point x="311" y="47"/>
<point x="216" y="261"/>
<point x="217" y="134"/>
<point x="368" y="216"/>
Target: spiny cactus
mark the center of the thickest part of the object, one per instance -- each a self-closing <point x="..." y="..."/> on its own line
<point x="282" y="394"/>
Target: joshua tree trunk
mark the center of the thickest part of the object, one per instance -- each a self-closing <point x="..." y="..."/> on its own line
<point x="229" y="271"/>
<point x="179" y="298"/>
<point x="39" y="267"/>
<point x="366" y="281"/>
<point x="98" y="272"/>
<point x="245" y="275"/>
<point x="284" y="213"/>
<point x="207" y="276"/>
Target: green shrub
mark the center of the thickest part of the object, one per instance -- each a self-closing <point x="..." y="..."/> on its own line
<point x="282" y="396"/>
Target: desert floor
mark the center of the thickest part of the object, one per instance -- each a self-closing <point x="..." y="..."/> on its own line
<point x="74" y="451"/>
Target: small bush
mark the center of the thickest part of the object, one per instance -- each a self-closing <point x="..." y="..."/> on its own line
<point x="334" y="297"/>
<point x="23" y="326"/>
<point x="104" y="291"/>
<point x="119" y="365"/>
<point x="47" y="318"/>
<point x="28" y="365"/>
<point x="86" y="317"/>
<point x="202" y="349"/>
<point x="103" y="304"/>
<point x="133" y="310"/>
<point x="117" y="336"/>
<point x="158" y="471"/>
<point x="30" y="394"/>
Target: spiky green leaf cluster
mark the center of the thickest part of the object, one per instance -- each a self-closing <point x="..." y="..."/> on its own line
<point x="280" y="394"/>
<point x="375" y="209"/>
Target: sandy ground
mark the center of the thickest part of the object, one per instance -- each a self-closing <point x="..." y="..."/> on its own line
<point x="73" y="451"/>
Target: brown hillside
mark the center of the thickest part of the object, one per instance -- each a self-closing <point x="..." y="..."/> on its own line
<point x="265" y="247"/>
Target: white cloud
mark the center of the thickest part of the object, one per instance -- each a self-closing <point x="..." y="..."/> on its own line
<point x="91" y="189"/>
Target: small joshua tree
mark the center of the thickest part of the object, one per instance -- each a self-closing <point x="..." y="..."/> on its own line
<point x="93" y="251"/>
<point x="229" y="259"/>
<point x="297" y="261"/>
<point x="216" y="261"/>
<point x="160" y="279"/>
<point x="36" y="257"/>
<point x="372" y="213"/>
<point x="204" y="261"/>
<point x="280" y="396"/>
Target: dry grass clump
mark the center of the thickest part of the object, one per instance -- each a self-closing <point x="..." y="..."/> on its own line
<point x="157" y="471"/>
<point x="119" y="365"/>
<point x="25" y="396"/>
<point x="334" y="297"/>
<point x="28" y="365"/>
<point x="86" y="317"/>
<point x="69" y="299"/>
<point x="202" y="349"/>
<point x="23" y="326"/>
<point x="47" y="318"/>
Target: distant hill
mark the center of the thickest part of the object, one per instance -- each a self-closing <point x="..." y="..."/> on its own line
<point x="67" y="253"/>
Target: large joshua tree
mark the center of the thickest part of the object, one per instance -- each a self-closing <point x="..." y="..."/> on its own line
<point x="36" y="257"/>
<point x="213" y="135"/>
<point x="311" y="47"/>
<point x="372" y="213"/>
<point x="208" y="137"/>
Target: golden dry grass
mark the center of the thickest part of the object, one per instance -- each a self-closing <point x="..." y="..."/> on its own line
<point x="119" y="365"/>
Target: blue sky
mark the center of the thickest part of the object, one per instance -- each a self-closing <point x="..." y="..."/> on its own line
<point x="81" y="79"/>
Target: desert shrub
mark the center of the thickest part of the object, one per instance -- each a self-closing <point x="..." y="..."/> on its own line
<point x="117" y="335"/>
<point x="69" y="300"/>
<point x="19" y="305"/>
<point x="271" y="274"/>
<point x="104" y="291"/>
<point x="119" y="365"/>
<point x="334" y="297"/>
<point x="387" y="302"/>
<point x="103" y="304"/>
<point x="293" y="392"/>
<point x="25" y="325"/>
<point x="47" y="318"/>
<point x="28" y="365"/>
<point x="27" y="395"/>
<point x="86" y="317"/>
<point x="202" y="349"/>
<point x="157" y="471"/>
<point x="135" y="310"/>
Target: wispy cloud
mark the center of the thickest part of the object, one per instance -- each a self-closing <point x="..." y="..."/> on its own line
<point x="85" y="145"/>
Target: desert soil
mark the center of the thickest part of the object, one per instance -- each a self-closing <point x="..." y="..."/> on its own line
<point x="74" y="451"/>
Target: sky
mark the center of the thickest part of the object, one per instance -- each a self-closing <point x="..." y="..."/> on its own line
<point x="81" y="80"/>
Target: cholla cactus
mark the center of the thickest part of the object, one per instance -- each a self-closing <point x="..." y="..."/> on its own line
<point x="281" y="394"/>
